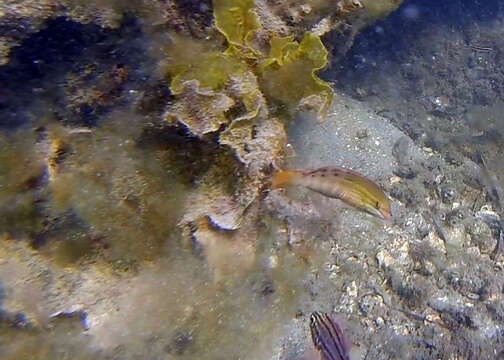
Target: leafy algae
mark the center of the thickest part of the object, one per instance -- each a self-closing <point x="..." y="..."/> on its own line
<point x="200" y="110"/>
<point x="238" y="22"/>
<point x="286" y="63"/>
<point x="304" y="59"/>
<point x="236" y="88"/>
<point x="231" y="91"/>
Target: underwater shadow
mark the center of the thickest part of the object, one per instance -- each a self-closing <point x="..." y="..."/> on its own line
<point x="38" y="67"/>
<point x="389" y="37"/>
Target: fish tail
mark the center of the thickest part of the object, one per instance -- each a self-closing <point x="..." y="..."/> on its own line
<point x="284" y="178"/>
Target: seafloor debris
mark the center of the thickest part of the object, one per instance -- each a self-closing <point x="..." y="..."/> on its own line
<point x="80" y="314"/>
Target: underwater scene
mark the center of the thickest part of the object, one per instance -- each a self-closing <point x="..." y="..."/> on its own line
<point x="251" y="179"/>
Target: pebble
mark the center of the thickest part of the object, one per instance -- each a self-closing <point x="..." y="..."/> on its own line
<point x="385" y="260"/>
<point x="380" y="322"/>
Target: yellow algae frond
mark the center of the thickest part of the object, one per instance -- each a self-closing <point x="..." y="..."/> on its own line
<point x="290" y="72"/>
<point x="212" y="71"/>
<point x="287" y="71"/>
<point x="281" y="48"/>
<point x="238" y="22"/>
<point x="192" y="60"/>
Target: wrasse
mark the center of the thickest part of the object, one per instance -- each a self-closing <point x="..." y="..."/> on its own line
<point x="328" y="337"/>
<point x="349" y="186"/>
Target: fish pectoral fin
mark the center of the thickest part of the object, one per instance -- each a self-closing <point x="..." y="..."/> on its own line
<point x="311" y="354"/>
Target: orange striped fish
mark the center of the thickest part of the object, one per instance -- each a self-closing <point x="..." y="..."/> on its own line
<point x="335" y="182"/>
<point x="328" y="337"/>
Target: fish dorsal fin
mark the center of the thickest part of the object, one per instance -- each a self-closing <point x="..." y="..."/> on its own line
<point x="333" y="171"/>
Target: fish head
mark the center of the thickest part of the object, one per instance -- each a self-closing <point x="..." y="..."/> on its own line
<point x="365" y="195"/>
<point x="378" y="207"/>
<point x="384" y="210"/>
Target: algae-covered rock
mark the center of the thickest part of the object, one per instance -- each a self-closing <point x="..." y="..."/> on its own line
<point x="202" y="111"/>
<point x="231" y="73"/>
<point x="228" y="253"/>
<point x="216" y="199"/>
<point x="23" y="173"/>
<point x="233" y="182"/>
<point x="257" y="145"/>
<point x="240" y="21"/>
<point x="231" y="92"/>
<point x="20" y="18"/>
<point x="121" y="193"/>
<point x="233" y="89"/>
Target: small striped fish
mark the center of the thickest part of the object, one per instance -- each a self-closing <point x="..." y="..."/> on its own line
<point x="328" y="337"/>
<point x="335" y="182"/>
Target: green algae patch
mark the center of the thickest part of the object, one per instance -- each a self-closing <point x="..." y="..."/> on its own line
<point x="127" y="198"/>
<point x="20" y="179"/>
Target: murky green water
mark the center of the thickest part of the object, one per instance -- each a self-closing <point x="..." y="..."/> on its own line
<point x="137" y="222"/>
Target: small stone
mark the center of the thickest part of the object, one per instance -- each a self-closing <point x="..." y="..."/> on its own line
<point x="180" y="343"/>
<point x="273" y="261"/>
<point x="384" y="259"/>
<point x="352" y="289"/>
<point x="456" y="236"/>
<point x="436" y="242"/>
<point x="189" y="311"/>
<point x="429" y="267"/>
<point x="395" y="179"/>
<point x="447" y="194"/>
<point x="361" y="134"/>
<point x="380" y="322"/>
<point x="405" y="172"/>
<point x="305" y="8"/>
<point x="423" y="230"/>
<point x="473" y="296"/>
